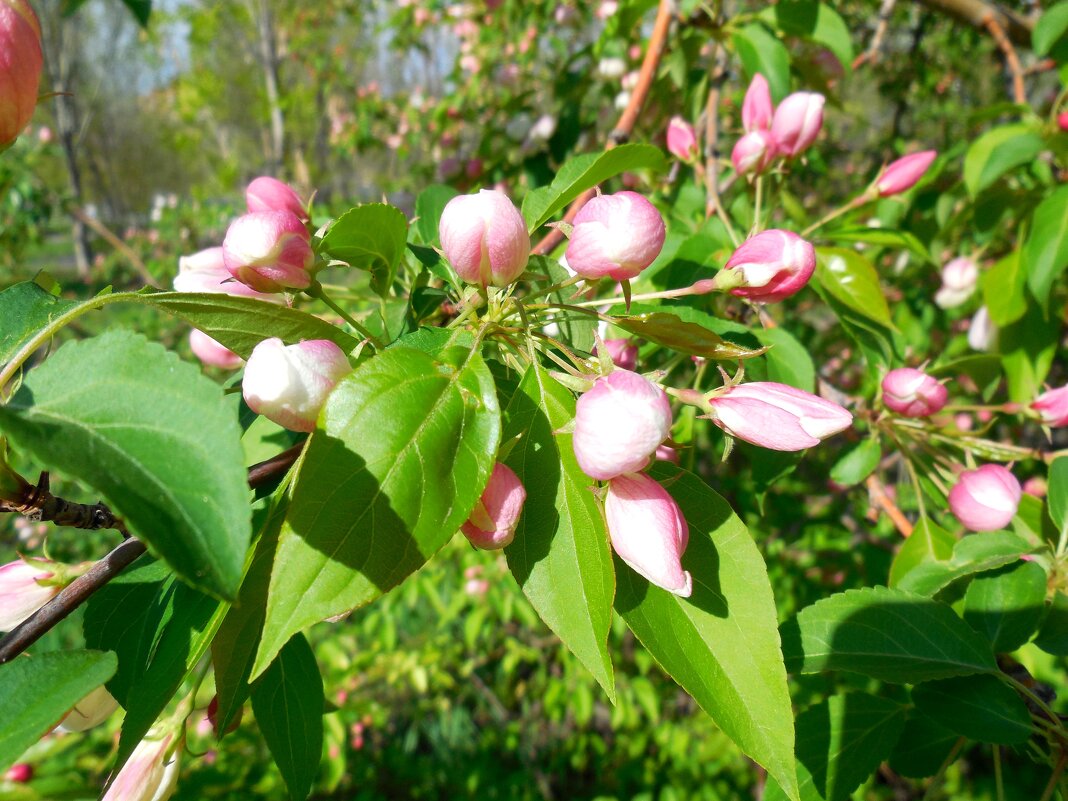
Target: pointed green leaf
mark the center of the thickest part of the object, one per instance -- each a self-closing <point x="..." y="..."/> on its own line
<point x="428" y="207"/>
<point x="155" y="438"/>
<point x="974" y="553"/>
<point x="922" y="748"/>
<point x="997" y="151"/>
<point x="929" y="542"/>
<point x="672" y="331"/>
<point x="761" y="52"/>
<point x="369" y="237"/>
<point x="858" y="464"/>
<point x="980" y="708"/>
<point x="721" y="644"/>
<point x="25" y="309"/>
<point x="1045" y="251"/>
<point x="405" y="447"/>
<point x="854" y="282"/>
<point x="1006" y="605"/>
<point x="887" y="634"/>
<point x="560" y="554"/>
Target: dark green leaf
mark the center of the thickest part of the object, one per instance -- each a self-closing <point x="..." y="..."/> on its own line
<point x="922" y="748"/>
<point x="585" y="172"/>
<point x="929" y="542"/>
<point x="980" y="708"/>
<point x="761" y="52"/>
<point x="560" y="554"/>
<point x="1045" y="251"/>
<point x="840" y="743"/>
<point x="997" y="151"/>
<point x="1027" y="349"/>
<point x="887" y="634"/>
<point x="155" y="437"/>
<point x="1053" y="636"/>
<point x="396" y="493"/>
<point x="817" y="22"/>
<point x="288" y="702"/>
<point x="428" y="207"/>
<point x="720" y="644"/>
<point x="37" y="691"/>
<point x="370" y="237"/>
<point x="858" y="464"/>
<point x="1006" y="605"/>
<point x="974" y="553"/>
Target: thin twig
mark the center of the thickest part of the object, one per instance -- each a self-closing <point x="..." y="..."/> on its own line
<point x="78" y="591"/>
<point x="1012" y="62"/>
<point x="108" y="236"/>
<point x="881" y="498"/>
<point x="40" y="505"/>
<point x="650" y="64"/>
<point x="871" y="55"/>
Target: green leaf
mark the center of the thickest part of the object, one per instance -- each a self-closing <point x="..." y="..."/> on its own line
<point x="974" y="553"/>
<point x="761" y="52"/>
<point x="672" y="331"/>
<point x="858" y="464"/>
<point x="39" y="690"/>
<point x="1003" y="288"/>
<point x="721" y="644"/>
<point x="155" y="437"/>
<point x="576" y="329"/>
<point x="886" y="634"/>
<point x="1051" y="26"/>
<point x="288" y="702"/>
<point x="1057" y="493"/>
<point x="1007" y="605"/>
<point x="787" y="360"/>
<point x="242" y="323"/>
<point x="25" y="309"/>
<point x="159" y="628"/>
<point x="997" y="151"/>
<point x="585" y="172"/>
<point x="980" y="708"/>
<point x="817" y="22"/>
<point x="560" y="554"/>
<point x="852" y="280"/>
<point x="929" y="542"/>
<point x="1045" y="251"/>
<point x="369" y="237"/>
<point x="881" y="236"/>
<point x="840" y="743"/>
<point x="428" y="207"/>
<point x="1053" y="636"/>
<point x="922" y="748"/>
<point x="1027" y="350"/>
<point x="395" y="493"/>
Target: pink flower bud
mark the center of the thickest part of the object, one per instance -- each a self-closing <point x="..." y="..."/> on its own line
<point x="982" y="333"/>
<point x="21" y="590"/>
<point x="619" y="424"/>
<point x="665" y="453"/>
<point x="913" y="393"/>
<point x="753" y="153"/>
<point x="21" y="61"/>
<point x="797" y="122"/>
<point x="775" y="264"/>
<point x="648" y="531"/>
<point x="493" y="520"/>
<point x="91" y="711"/>
<point x="757" y="110"/>
<point x="622" y="352"/>
<point x="269" y="251"/>
<point x="212" y="352"/>
<point x="985" y="499"/>
<point x="616" y="236"/>
<point x="960" y="276"/>
<point x="289" y="384"/>
<point x="1062" y="120"/>
<point x="212" y="717"/>
<point x="484" y="238"/>
<point x="1052" y="407"/>
<point x="270" y="194"/>
<point x="1036" y="487"/>
<point x="150" y="774"/>
<point x="777" y="416"/>
<point x="681" y="139"/>
<point x="901" y="175"/>
<point x="20" y="773"/>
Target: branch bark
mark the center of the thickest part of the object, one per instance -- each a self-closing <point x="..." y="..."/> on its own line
<point x="625" y="125"/>
<point x="126" y="553"/>
<point x="976" y="12"/>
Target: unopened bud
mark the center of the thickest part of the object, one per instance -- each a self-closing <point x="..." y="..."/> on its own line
<point x="622" y="352"/>
<point x="797" y="122"/>
<point x="289" y="384"/>
<point x="774" y="264"/>
<point x="681" y="139"/>
<point x="150" y="774"/>
<point x="901" y="175"/>
<point x="757" y="109"/>
<point x="269" y="251"/>
<point x="493" y="521"/>
<point x="270" y="194"/>
<point x="913" y="393"/>
<point x="777" y="416"/>
<point x="25" y="586"/>
<point x="21" y="62"/>
<point x="616" y="236"/>
<point x="485" y="238"/>
<point x="1052" y="407"/>
<point x="753" y="153"/>
<point x="985" y="499"/>
<point x="90" y="712"/>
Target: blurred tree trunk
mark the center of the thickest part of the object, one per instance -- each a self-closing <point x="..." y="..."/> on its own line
<point x="269" y="63"/>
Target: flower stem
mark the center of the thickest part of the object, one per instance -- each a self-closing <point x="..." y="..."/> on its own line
<point x="316" y="291"/>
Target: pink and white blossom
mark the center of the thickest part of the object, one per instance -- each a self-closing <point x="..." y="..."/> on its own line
<point x="289" y="384"/>
<point x="494" y="519"/>
<point x="985" y="499"/>
<point x="797" y="122"/>
<point x="616" y="236"/>
<point x="913" y="393"/>
<point x="777" y="416"/>
<point x="485" y="238"/>
<point x="774" y="265"/>
<point x="22" y="591"/>
<point x="269" y="251"/>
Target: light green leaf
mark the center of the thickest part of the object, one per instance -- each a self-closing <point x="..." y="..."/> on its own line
<point x="886" y="237"/>
<point x="560" y="554"/>
<point x="858" y="464"/>
<point x="761" y="52"/>
<point x="721" y="644"/>
<point x="288" y="701"/>
<point x="25" y="309"/>
<point x="585" y="172"/>
<point x="1003" y="290"/>
<point x="787" y="360"/>
<point x="369" y="237"/>
<point x="852" y="279"/>
<point x="1027" y="349"/>
<point x="890" y="635"/>
<point x="428" y="207"/>
<point x="929" y="542"/>
<point x="817" y="22"/>
<point x="1057" y="493"/>
<point x="1051" y="26"/>
<point x="1045" y="251"/>
<point x="840" y="743"/>
<point x="980" y="708"/>
<point x="975" y="553"/>
<point x="1006" y="605"/>
<point x="153" y="436"/>
<point x="39" y="690"/>
<point x="395" y="493"/>
<point x="997" y="151"/>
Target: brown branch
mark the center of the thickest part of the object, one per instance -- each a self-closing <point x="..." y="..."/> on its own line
<point x="975" y="12"/>
<point x="106" y="234"/>
<point x="40" y="505"/>
<point x="1012" y="62"/>
<point x="650" y="64"/>
<point x="871" y="55"/>
<point x="78" y="591"/>
<point x="882" y="499"/>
